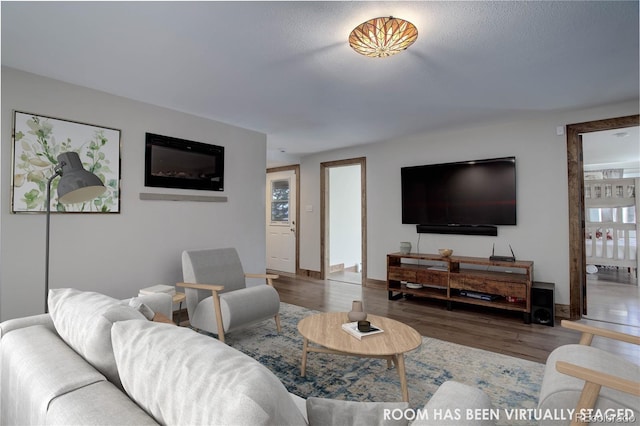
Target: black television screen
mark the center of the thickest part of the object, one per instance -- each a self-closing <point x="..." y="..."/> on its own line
<point x="481" y="192"/>
<point x="179" y="163"/>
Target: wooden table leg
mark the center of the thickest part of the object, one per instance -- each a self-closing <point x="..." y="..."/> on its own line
<point x="403" y="377"/>
<point x="305" y="347"/>
<point x="391" y="361"/>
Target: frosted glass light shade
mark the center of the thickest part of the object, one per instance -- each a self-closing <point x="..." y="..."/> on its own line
<point x="382" y="37"/>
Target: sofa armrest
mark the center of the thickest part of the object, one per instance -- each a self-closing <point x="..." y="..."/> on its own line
<point x="17" y="323"/>
<point x="589" y="332"/>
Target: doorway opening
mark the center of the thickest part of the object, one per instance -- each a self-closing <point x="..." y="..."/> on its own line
<point x="282" y="213"/>
<point x="579" y="295"/>
<point x="611" y="178"/>
<point x="343" y="220"/>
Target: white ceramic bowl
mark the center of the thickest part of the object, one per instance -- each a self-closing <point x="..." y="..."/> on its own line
<point x="445" y="252"/>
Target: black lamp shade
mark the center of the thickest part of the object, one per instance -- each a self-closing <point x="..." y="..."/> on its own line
<point x="77" y="185"/>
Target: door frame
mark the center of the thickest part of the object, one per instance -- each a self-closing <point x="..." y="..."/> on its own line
<point x="296" y="172"/>
<point x="324" y="214"/>
<point x="575" y="166"/>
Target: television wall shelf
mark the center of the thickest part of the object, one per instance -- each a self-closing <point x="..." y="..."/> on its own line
<point x="183" y="197"/>
<point x="471" y="280"/>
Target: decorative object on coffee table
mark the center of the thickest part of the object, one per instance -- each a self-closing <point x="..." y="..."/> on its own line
<point x="361" y="329"/>
<point x="357" y="312"/>
<point x="364" y="326"/>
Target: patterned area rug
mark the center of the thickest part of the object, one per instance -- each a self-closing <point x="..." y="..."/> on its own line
<point x="509" y="382"/>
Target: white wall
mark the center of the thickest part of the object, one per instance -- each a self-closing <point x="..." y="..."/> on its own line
<point x="345" y="216"/>
<point x="117" y="254"/>
<point x="542" y="233"/>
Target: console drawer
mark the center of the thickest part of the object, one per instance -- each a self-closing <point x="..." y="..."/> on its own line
<point x="432" y="277"/>
<point x="484" y="285"/>
<point x="397" y="273"/>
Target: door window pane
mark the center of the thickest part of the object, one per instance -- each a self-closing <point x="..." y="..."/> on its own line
<point x="280" y="201"/>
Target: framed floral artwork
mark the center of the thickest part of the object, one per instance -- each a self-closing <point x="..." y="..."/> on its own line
<point x="37" y="142"/>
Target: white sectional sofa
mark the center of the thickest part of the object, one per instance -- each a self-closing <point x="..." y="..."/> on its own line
<point x="43" y="380"/>
<point x="95" y="360"/>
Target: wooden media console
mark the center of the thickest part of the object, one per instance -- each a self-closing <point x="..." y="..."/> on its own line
<point x="471" y="280"/>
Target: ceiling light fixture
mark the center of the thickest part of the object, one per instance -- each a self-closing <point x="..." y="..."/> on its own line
<point x="382" y="37"/>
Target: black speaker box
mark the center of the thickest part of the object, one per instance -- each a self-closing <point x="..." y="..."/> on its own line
<point x="458" y="229"/>
<point x="543" y="303"/>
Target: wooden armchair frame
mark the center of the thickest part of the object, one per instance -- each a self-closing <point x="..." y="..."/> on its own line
<point x="216" y="289"/>
<point x="594" y="380"/>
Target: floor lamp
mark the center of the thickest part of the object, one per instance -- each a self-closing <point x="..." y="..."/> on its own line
<point x="76" y="185"/>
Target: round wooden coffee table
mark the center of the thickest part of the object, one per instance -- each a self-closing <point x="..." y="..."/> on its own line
<point x="325" y="330"/>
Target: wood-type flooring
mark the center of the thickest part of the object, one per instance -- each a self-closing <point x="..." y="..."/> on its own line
<point x="479" y="327"/>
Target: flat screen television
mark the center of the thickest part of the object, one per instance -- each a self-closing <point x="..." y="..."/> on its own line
<point x="480" y="192"/>
<point x="179" y="163"/>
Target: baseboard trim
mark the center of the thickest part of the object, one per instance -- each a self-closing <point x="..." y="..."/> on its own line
<point x="309" y="273"/>
<point x="353" y="268"/>
<point x="562" y="311"/>
<point x="372" y="283"/>
<point x="336" y="268"/>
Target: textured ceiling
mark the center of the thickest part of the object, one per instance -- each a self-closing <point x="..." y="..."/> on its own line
<point x="618" y="148"/>
<point x="286" y="69"/>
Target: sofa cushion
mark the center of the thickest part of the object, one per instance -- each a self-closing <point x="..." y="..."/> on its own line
<point x="182" y="377"/>
<point x="18" y="323"/>
<point x="84" y="319"/>
<point x="323" y="412"/>
<point x="36" y="367"/>
<point x="97" y="404"/>
<point x="457" y="400"/>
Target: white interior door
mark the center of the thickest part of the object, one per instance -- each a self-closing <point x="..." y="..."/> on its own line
<point x="281" y="221"/>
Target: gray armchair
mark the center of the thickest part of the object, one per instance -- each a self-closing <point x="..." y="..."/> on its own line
<point x="218" y="299"/>
<point x="591" y="381"/>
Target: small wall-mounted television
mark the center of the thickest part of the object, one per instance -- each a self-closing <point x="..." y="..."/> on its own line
<point x="179" y="163"/>
<point x="480" y="192"/>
